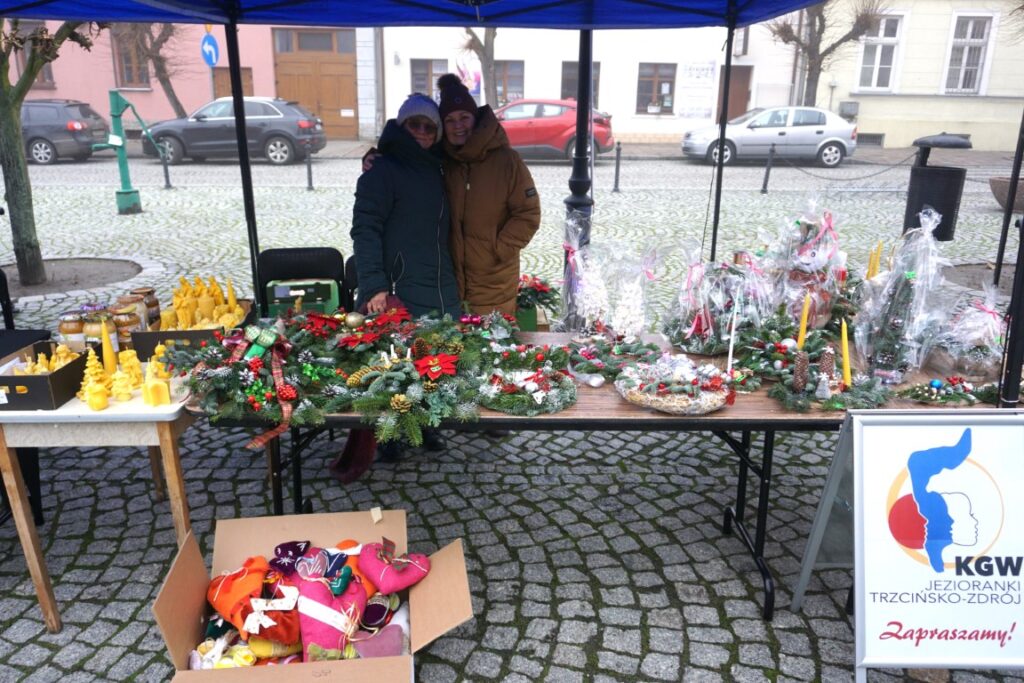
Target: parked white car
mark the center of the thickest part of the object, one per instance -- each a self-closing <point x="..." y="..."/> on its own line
<point x="796" y="132"/>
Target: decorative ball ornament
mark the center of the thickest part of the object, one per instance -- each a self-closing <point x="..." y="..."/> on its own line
<point x="936" y="384"/>
<point x="777" y="365"/>
<point x="354" y="320"/>
<point x="790" y="344"/>
<point x="595" y="380"/>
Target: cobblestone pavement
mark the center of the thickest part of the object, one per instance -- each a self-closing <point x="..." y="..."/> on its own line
<point x="592" y="556"/>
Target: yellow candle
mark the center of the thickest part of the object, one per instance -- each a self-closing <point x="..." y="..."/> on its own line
<point x="109" y="358"/>
<point x="803" y="321"/>
<point x="232" y="301"/>
<point x="846" y="357"/>
<point x="871" y="264"/>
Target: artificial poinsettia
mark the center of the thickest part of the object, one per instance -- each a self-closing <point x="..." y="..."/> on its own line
<point x="320" y="325"/>
<point x="435" y="366"/>
<point x="354" y="340"/>
<point x="392" y="316"/>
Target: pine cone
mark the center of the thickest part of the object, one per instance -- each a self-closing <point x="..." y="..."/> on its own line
<point x="420" y="348"/>
<point x="800" y="371"/>
<point x="356" y="378"/>
<point x="399" y="403"/>
<point x="454" y="347"/>
<point x="827" y="363"/>
<point x="429" y="387"/>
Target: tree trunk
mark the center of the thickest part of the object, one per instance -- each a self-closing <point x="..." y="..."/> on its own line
<point x="18" y="194"/>
<point x="160" y="70"/>
<point x="487" y="66"/>
<point x="811" y="87"/>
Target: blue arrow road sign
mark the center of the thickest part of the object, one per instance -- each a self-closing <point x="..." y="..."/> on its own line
<point x="211" y="53"/>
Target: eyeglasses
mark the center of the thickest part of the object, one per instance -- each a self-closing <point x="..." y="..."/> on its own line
<point x="425" y="126"/>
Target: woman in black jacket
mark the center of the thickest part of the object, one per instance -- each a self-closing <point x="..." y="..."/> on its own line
<point x="400" y="221"/>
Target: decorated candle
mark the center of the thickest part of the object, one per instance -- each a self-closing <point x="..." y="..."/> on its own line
<point x="732" y="343"/>
<point x="803" y="321"/>
<point x="846" y="356"/>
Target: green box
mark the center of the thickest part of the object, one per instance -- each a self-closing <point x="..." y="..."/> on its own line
<point x="317" y="295"/>
<point x="527" y="319"/>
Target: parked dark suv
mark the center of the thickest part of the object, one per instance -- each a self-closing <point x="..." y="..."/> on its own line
<point x="60" y="129"/>
<point x="277" y="129"/>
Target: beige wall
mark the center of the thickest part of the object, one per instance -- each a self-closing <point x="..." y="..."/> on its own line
<point x="915" y="104"/>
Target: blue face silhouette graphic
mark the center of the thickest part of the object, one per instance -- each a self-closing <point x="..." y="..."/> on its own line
<point x="923" y="465"/>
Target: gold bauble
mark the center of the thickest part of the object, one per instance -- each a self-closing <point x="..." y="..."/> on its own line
<point x="354" y="319"/>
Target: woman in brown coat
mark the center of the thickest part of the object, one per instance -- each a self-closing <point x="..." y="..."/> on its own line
<point x="495" y="208"/>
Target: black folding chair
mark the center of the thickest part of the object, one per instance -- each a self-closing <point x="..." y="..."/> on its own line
<point x="11" y="341"/>
<point x="351" y="283"/>
<point x="300" y="263"/>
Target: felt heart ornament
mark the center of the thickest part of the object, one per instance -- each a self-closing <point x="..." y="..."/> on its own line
<point x="286" y="554"/>
<point x="275" y="617"/>
<point x="352" y="549"/>
<point x="391" y="572"/>
<point x="230" y="593"/>
<point x="326" y="621"/>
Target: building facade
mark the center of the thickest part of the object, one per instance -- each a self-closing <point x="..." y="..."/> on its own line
<point x="934" y="66"/>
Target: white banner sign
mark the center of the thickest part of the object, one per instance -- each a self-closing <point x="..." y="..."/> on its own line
<point x="940" y="539"/>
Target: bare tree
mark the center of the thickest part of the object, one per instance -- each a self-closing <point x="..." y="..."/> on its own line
<point x="38" y="47"/>
<point x="484" y="50"/>
<point x="826" y="21"/>
<point x="149" y="41"/>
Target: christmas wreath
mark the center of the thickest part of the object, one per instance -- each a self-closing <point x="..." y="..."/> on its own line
<point x="527" y="392"/>
<point x="674" y="384"/>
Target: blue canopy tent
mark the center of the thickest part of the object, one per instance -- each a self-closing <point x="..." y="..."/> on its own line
<point x="582" y="15"/>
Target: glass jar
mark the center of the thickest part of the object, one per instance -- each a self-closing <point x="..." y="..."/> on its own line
<point x="148" y="295"/>
<point x="127" y="321"/>
<point x="138" y="303"/>
<point x="72" y="330"/>
<point x="93" y="328"/>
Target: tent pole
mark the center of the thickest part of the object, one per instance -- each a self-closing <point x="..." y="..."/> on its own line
<point x="1011" y="199"/>
<point x="235" y="71"/>
<point x="723" y="116"/>
<point x="1013" y="356"/>
<point x="579" y="201"/>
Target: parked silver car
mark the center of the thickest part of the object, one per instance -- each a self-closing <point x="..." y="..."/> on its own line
<point x="796" y="132"/>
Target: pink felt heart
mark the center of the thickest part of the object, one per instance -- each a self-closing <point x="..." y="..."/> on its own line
<point x="327" y="621"/>
<point x="389" y="571"/>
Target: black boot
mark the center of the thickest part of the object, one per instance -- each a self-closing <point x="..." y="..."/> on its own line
<point x="433" y="440"/>
<point x="391" y="451"/>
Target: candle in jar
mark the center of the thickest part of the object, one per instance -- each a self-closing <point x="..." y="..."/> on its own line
<point x="846" y="356"/>
<point x="803" y="321"/>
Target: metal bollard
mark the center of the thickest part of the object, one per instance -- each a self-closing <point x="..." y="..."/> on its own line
<point x="167" y="172"/>
<point x="768" y="169"/>
<point x="309" y="167"/>
<point x="618" y="162"/>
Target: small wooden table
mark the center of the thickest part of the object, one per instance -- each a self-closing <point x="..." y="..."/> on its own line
<point x="131" y="423"/>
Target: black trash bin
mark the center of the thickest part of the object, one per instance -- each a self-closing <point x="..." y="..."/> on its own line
<point x="937" y="186"/>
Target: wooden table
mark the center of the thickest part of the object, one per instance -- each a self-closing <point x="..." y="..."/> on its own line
<point x="602" y="409"/>
<point x="131" y="423"/>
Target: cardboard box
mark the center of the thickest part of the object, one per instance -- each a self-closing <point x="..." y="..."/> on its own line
<point x="40" y="392"/>
<point x="145" y="342"/>
<point x="437" y="604"/>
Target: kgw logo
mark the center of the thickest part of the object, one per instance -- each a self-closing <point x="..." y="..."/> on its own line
<point x="944" y="503"/>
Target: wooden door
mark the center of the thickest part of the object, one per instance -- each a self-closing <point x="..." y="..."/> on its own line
<point x="317" y="69"/>
<point x="222" y="81"/>
<point x="739" y="89"/>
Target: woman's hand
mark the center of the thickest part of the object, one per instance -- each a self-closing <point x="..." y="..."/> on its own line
<point x="377" y="303"/>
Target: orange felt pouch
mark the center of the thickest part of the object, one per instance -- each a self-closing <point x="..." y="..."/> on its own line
<point x="230" y="593"/>
<point x="353" y="563"/>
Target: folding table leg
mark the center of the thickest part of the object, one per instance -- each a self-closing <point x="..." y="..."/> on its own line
<point x="159" y="492"/>
<point x="28" y="458"/>
<point x="175" y="479"/>
<point x="14" y="482"/>
<point x="276" y="486"/>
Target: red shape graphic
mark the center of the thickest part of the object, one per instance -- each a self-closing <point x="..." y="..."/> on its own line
<point x="906" y="524"/>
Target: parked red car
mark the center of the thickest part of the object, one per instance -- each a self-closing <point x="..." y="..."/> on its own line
<point x="548" y="127"/>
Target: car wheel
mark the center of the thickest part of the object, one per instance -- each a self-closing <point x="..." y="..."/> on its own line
<point x="279" y="151"/>
<point x="570" y="149"/>
<point x="173" y="149"/>
<point x="42" y="151"/>
<point x="831" y="155"/>
<point x="728" y="157"/>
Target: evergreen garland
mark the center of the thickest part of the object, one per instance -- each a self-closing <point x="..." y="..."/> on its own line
<point x="607" y="358"/>
<point x="528" y="394"/>
<point x="953" y="390"/>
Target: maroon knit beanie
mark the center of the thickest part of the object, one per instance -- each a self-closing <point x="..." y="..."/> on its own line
<point x="454" y="96"/>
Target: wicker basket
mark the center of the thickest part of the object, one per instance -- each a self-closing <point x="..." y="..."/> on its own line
<point x="674" y="404"/>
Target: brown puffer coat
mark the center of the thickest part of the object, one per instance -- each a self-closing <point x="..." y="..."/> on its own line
<point x="495" y="212"/>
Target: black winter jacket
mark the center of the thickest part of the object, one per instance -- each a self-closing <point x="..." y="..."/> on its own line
<point x="400" y="225"/>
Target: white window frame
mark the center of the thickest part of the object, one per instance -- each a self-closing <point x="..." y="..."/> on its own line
<point x="897" y="57"/>
<point x="986" y="67"/>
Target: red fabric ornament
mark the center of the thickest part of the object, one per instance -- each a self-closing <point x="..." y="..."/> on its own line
<point x="255" y="364"/>
<point x="287" y="393"/>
